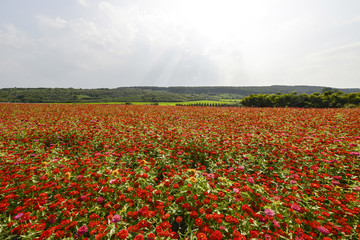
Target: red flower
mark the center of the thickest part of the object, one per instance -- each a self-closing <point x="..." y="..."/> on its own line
<point x="122" y="234"/>
<point x="246" y="208"/>
<point x="236" y="233"/>
<point x="94" y="216"/>
<point x="199" y="222"/>
<point x="159" y="229"/>
<point x="201" y="236"/>
<point x="151" y="236"/>
<point x="180" y="199"/>
<point x="254" y="234"/>
<point x="166" y="225"/>
<point x="193" y="214"/>
<point x="46" y="234"/>
<point x="59" y="234"/>
<point x="139" y="237"/>
<point x="216" y="235"/>
<point x="179" y="219"/>
<point x="241" y="237"/>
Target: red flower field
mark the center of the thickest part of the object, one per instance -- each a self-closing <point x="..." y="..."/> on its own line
<point x="152" y="172"/>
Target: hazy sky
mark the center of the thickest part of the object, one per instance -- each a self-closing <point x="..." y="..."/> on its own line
<point x="113" y="43"/>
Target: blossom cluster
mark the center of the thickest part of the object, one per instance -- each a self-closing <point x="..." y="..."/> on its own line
<point x="152" y="172"/>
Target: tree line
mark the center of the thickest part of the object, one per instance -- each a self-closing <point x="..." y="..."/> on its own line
<point x="219" y="104"/>
<point x="326" y="99"/>
<point x="250" y="96"/>
<point x="71" y="95"/>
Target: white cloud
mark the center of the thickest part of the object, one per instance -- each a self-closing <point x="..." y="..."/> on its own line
<point x="56" y="23"/>
<point x="122" y="46"/>
<point x="84" y="43"/>
<point x="83" y="3"/>
<point x="164" y="42"/>
<point x="11" y="36"/>
<point x="333" y="67"/>
<point x="344" y="53"/>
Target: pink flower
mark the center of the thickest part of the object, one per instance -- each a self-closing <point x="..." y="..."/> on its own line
<point x="268" y="237"/>
<point x="211" y="175"/>
<point x="276" y="224"/>
<point x="269" y="212"/>
<point x="335" y="182"/>
<point x="276" y="198"/>
<point x="84" y="197"/>
<point x="250" y="180"/>
<point x="116" y="218"/>
<point x="82" y="230"/>
<point x="18" y="216"/>
<point x="323" y="230"/>
<point x="295" y="207"/>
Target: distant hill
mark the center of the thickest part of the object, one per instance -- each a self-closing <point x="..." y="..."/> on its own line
<point x="245" y="91"/>
<point x="150" y="94"/>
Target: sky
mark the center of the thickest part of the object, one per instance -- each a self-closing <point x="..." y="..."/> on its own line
<point x="117" y="43"/>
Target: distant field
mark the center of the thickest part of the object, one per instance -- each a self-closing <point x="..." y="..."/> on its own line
<point x="223" y="101"/>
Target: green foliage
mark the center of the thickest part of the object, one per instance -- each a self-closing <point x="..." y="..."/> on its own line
<point x="272" y="96"/>
<point x="70" y="95"/>
<point x="327" y="99"/>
